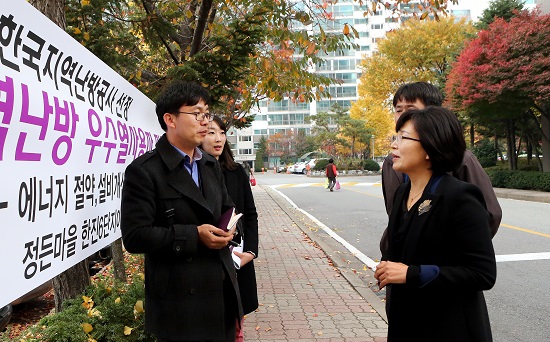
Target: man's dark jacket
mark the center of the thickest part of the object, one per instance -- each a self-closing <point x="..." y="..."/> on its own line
<point x="184" y="280"/>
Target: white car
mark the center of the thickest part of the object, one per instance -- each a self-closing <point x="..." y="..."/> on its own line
<point x="299" y="167"/>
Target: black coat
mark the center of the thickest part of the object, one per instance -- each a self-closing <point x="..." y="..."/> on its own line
<point x="238" y="188"/>
<point x="184" y="280"/>
<point x="452" y="233"/>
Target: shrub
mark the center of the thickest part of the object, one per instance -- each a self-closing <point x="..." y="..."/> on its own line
<point x="487" y="161"/>
<point x="371" y="165"/>
<point x="321" y="165"/>
<point x="526" y="180"/>
<point x="485" y="149"/>
<point x="112" y="310"/>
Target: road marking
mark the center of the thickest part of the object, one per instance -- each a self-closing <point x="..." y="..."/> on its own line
<point x="525" y="230"/>
<point x="354" y="251"/>
<point x="305" y="185"/>
<point x="523" y="257"/>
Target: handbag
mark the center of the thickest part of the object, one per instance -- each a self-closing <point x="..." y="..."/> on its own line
<point x="326" y="183"/>
<point x="337" y="185"/>
<point x="252" y="180"/>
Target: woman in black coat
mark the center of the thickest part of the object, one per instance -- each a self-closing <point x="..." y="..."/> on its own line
<point x="238" y="188"/>
<point x="440" y="256"/>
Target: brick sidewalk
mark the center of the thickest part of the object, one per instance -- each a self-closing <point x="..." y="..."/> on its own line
<point x="302" y="296"/>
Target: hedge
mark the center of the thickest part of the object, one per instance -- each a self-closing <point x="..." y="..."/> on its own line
<point x="526" y="180"/>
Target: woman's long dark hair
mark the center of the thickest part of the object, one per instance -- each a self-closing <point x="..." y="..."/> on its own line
<point x="226" y="159"/>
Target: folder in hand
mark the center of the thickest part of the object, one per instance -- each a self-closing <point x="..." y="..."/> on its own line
<point x="228" y="219"/>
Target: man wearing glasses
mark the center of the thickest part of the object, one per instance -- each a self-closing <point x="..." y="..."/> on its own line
<point x="418" y="95"/>
<point x="172" y="199"/>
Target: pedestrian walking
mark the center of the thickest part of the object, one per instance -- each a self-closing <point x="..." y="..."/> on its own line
<point x="331" y="174"/>
<point x="247" y="169"/>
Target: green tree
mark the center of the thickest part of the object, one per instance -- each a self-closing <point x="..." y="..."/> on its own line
<point x="499" y="9"/>
<point x="261" y="153"/>
<point x="356" y="132"/>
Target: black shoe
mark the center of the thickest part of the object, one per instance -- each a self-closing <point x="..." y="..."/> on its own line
<point x="331" y="190"/>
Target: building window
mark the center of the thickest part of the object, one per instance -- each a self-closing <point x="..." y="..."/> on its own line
<point x="245" y="151"/>
<point x="344" y="64"/>
<point x="358" y="21"/>
<point x="343" y="91"/>
<point x="245" y="138"/>
<point x="345" y="77"/>
<point x="260" y="131"/>
<point x="343" y="11"/>
<point x="377" y="26"/>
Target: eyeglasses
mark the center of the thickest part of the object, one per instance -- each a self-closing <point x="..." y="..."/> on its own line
<point x="399" y="138"/>
<point x="199" y="116"/>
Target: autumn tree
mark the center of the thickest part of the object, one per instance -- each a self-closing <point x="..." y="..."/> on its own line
<point x="242" y="51"/>
<point x="378" y="120"/>
<point x="503" y="75"/>
<point x="280" y="144"/>
<point x="421" y="50"/>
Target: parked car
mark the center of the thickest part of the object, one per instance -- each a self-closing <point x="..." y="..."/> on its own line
<point x="5" y="316"/>
<point x="299" y="167"/>
<point x="290" y="168"/>
<point x="303" y="168"/>
<point x="281" y="168"/>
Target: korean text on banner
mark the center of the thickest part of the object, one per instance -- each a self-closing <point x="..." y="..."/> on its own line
<point x="69" y="125"/>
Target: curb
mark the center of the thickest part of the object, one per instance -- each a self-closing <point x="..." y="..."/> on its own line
<point x="523" y="195"/>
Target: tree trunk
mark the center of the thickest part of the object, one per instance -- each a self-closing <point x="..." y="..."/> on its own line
<point x="71" y="283"/>
<point x="53" y="9"/>
<point x="497" y="148"/>
<point x="118" y="260"/>
<point x="204" y="13"/>
<point x="472" y="135"/>
<point x="545" y="121"/>
<point x="511" y="145"/>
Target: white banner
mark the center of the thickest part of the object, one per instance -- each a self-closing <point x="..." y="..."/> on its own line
<point x="69" y="125"/>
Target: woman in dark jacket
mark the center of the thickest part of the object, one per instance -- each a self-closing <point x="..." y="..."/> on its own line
<point x="440" y="256"/>
<point x="238" y="188"/>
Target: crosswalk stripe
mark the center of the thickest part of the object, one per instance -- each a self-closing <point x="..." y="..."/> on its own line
<point x="305" y="185"/>
<point x="523" y="257"/>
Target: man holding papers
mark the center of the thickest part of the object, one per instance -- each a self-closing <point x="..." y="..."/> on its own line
<point x="172" y="200"/>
